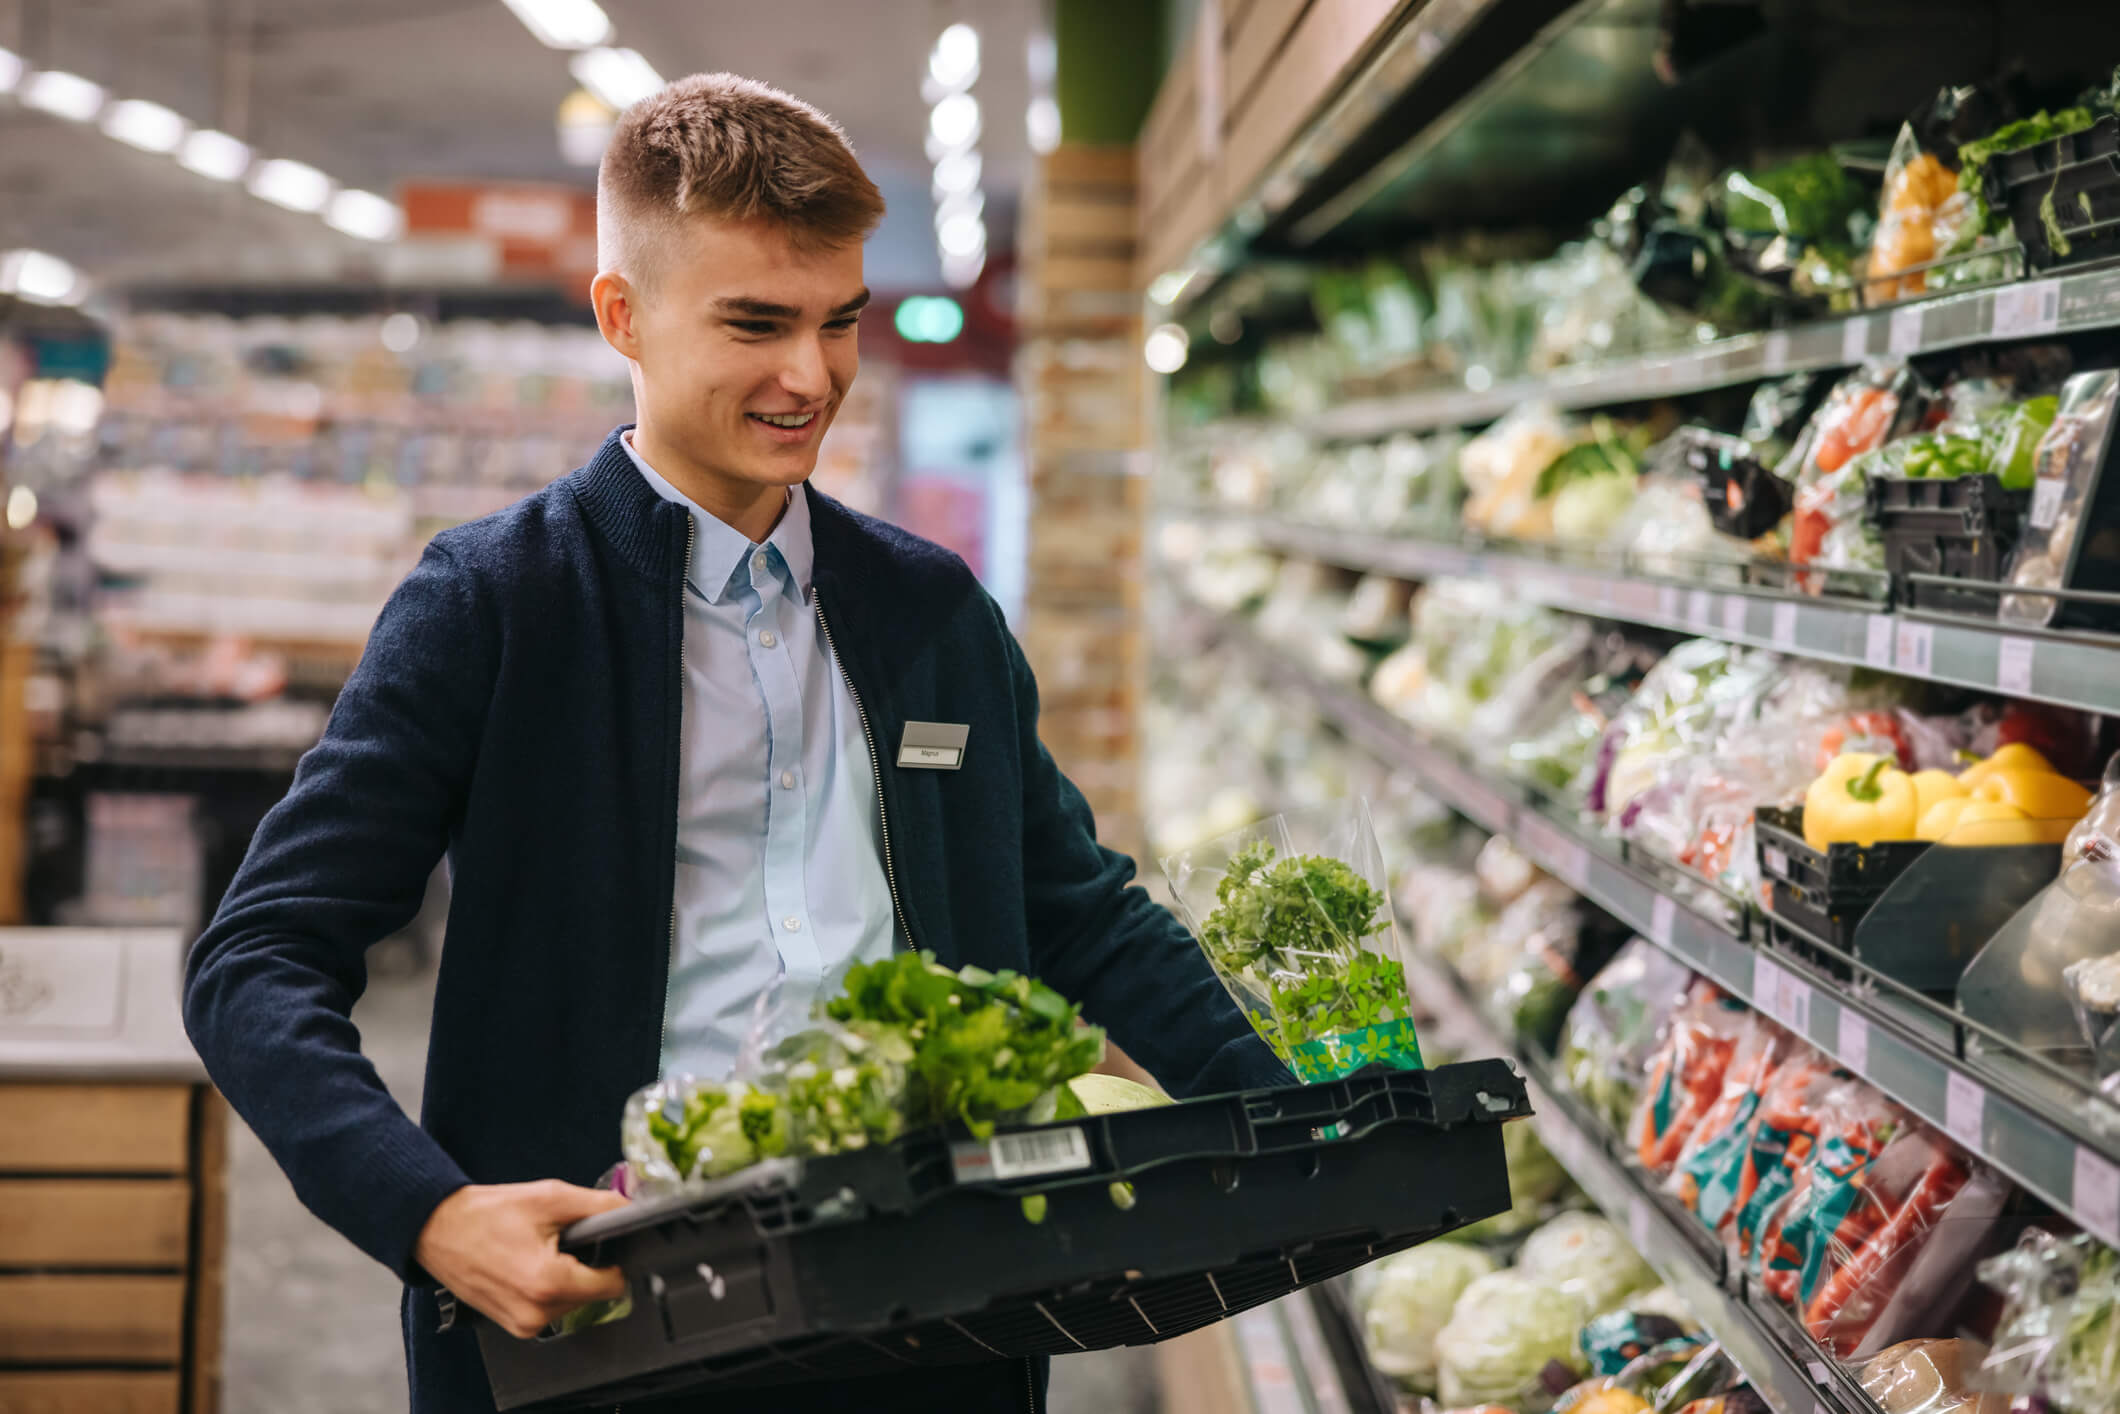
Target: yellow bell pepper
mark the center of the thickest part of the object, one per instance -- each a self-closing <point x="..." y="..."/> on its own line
<point x="2014" y="757"/>
<point x="2039" y="794"/>
<point x="1860" y="799"/>
<point x="1932" y="786"/>
<point x="1972" y="821"/>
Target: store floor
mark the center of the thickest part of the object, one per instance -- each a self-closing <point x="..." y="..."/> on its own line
<point x="312" y="1323"/>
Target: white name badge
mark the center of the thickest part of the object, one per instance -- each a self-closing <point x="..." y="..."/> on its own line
<point x="933" y="746"/>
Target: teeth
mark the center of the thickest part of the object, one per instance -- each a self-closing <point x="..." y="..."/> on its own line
<point x="794" y="419"/>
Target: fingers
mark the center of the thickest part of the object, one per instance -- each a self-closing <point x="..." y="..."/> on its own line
<point x="563" y="1203"/>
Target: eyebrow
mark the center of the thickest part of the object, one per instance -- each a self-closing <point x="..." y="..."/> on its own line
<point x="747" y="307"/>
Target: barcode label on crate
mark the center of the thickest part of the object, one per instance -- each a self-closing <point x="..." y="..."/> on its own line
<point x="2013" y="666"/>
<point x="2046" y="502"/>
<point x="1854" y="340"/>
<point x="1777" y="862"/>
<point x="2097" y="1194"/>
<point x="1906" y="330"/>
<point x="1023" y="1155"/>
<point x="2023" y="310"/>
<point x="1916" y="647"/>
<point x="1964" y="1110"/>
<point x="1877" y="641"/>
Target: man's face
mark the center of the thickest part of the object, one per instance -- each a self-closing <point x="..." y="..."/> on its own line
<point x="745" y="346"/>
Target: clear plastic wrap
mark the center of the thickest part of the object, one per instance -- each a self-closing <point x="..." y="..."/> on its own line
<point x="1830" y="529"/>
<point x="1588" y="1257"/>
<point x="2068" y="467"/>
<point x="1709" y="1174"/>
<point x="1611" y="1029"/>
<point x="1510" y="1340"/>
<point x="2058" y="1340"/>
<point x="1927" y="1377"/>
<point x="1408" y="1299"/>
<point x="1294" y="914"/>
<point x="1685" y="1075"/>
<point x="1501" y="468"/>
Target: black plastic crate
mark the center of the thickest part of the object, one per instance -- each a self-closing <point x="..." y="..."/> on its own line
<point x="915" y="1253"/>
<point x="1963" y="527"/>
<point x="2062" y="195"/>
<point x="1744" y="498"/>
<point x="1825" y="892"/>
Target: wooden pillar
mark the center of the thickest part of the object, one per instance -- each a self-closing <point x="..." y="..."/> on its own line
<point x="1085" y="400"/>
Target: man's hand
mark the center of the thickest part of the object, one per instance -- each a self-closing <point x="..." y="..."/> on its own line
<point x="496" y="1247"/>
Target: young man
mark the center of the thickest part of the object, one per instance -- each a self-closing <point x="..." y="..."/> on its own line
<point x="654" y="716"/>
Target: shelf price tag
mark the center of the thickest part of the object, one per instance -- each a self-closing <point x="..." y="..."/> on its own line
<point x="2025" y="309"/>
<point x="1855" y="340"/>
<point x="2097" y="1194"/>
<point x="1700" y="609"/>
<point x="1735" y="607"/>
<point x="1784" y="625"/>
<point x="2046" y="502"/>
<point x="1964" y="1110"/>
<point x="1906" y="330"/>
<point x="1662" y="914"/>
<point x="2013" y="666"/>
<point x="1766" y="985"/>
<point x="1877" y="642"/>
<point x="1669" y="600"/>
<point x="1915" y="648"/>
<point x="1640" y="1223"/>
<point x="1774" y="358"/>
<point x="1854" y="1041"/>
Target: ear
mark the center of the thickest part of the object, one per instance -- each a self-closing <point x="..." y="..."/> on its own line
<point x="617" y="312"/>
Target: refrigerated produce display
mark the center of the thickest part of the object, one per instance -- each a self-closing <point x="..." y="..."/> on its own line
<point x="1707" y="579"/>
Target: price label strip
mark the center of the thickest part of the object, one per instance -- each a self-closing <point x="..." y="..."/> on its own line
<point x="1915" y="649"/>
<point x="1877" y="641"/>
<point x="2013" y="666"/>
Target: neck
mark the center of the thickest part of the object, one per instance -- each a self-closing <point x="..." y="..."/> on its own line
<point x="750" y="509"/>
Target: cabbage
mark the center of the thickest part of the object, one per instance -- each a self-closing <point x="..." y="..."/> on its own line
<point x="1587" y="1257"/>
<point x="1585" y="510"/>
<point x="1409" y="1300"/>
<point x="1112" y="1094"/>
<point x="1505" y="1330"/>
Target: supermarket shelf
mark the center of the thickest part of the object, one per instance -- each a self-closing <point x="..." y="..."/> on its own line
<point x="1794" y="1379"/>
<point x="1288" y="1368"/>
<point x="2050" y="1133"/>
<point x="2073" y="669"/>
<point x="2062" y="304"/>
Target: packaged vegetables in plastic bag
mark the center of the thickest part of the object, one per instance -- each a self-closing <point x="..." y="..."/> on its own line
<point x="1611" y="1029"/>
<point x="908" y="1043"/>
<point x="1587" y="1257"/>
<point x="1409" y="1300"/>
<point x="1830" y="528"/>
<point x="1294" y="914"/>
<point x="2058" y="1340"/>
<point x="1510" y="1340"/>
<point x="1685" y="1075"/>
<point x="2059" y="549"/>
<point x="1927" y="1377"/>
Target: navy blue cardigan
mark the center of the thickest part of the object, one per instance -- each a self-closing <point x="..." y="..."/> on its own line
<point x="518" y="706"/>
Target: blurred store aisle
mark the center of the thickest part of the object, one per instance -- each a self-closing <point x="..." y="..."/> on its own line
<point x="313" y="1324"/>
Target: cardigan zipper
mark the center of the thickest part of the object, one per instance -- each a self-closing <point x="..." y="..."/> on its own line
<point x="662" y="1044"/>
<point x="883" y="813"/>
<point x="1030" y="1387"/>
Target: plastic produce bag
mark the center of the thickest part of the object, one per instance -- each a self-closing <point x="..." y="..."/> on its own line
<point x="1510" y="1340"/>
<point x="1586" y="1256"/>
<point x="2068" y="466"/>
<point x="2058" y="1340"/>
<point x="1927" y="1377"/>
<point x="1409" y="1300"/>
<point x="1712" y="1166"/>
<point x="1611" y="1029"/>
<point x="1685" y="1076"/>
<point x="1294" y="914"/>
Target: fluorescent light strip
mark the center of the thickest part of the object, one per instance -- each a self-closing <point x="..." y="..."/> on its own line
<point x="39" y="278"/>
<point x="294" y="185"/>
<point x="11" y="67"/>
<point x="147" y="126"/>
<point x="366" y="215"/>
<point x="563" y="24"/>
<point x="214" y="155"/>
<point x="620" y="77"/>
<point x="63" y="95"/>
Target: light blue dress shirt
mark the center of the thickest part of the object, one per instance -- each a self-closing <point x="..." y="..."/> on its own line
<point x="780" y="874"/>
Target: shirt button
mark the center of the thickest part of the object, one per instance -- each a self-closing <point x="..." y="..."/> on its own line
<point x="787" y="780"/>
<point x="767" y="638"/>
<point x="758" y="562"/>
<point x="793" y="925"/>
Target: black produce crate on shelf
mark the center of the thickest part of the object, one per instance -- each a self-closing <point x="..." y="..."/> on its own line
<point x="1825" y="892"/>
<point x="2062" y="195"/>
<point x="1964" y="528"/>
<point x="914" y="1253"/>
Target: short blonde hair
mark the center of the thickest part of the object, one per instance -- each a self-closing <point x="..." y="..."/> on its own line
<point x="721" y="145"/>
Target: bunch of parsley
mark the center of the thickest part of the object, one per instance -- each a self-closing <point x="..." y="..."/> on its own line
<point x="1291" y="930"/>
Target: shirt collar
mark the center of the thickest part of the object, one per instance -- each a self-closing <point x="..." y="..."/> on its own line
<point x="719" y="550"/>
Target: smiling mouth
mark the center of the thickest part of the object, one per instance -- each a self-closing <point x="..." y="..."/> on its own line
<point x="784" y="419"/>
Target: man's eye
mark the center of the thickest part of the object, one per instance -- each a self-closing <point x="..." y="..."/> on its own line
<point x="751" y="326"/>
<point x="842" y="325"/>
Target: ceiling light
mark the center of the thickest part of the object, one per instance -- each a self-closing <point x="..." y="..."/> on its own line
<point x="958" y="172"/>
<point x="620" y="77"/>
<point x="961" y="272"/>
<point x="294" y="185"/>
<point x="366" y="215"/>
<point x="1165" y="348"/>
<point x="961" y="235"/>
<point x="214" y="154"/>
<point x="928" y="319"/>
<point x="11" y="67"/>
<point x="1041" y="57"/>
<point x="955" y="61"/>
<point x="63" y="94"/>
<point x="147" y="126"/>
<point x="39" y="278"/>
<point x="1041" y="122"/>
<point x="563" y="24"/>
<point x="21" y="508"/>
<point x="950" y="208"/>
<point x="955" y="121"/>
<point x="584" y="124"/>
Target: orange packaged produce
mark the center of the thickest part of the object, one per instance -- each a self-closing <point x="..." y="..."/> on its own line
<point x="1685" y="1076"/>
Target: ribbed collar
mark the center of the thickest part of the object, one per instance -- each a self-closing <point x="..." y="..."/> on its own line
<point x="721" y="552"/>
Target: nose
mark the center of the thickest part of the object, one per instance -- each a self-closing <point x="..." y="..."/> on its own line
<point x="807" y="376"/>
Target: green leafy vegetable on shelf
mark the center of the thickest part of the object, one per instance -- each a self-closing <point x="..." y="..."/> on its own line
<point x="1606" y="452"/>
<point x="1810" y="198"/>
<point x="1973" y="157"/>
<point x="1292" y="930"/>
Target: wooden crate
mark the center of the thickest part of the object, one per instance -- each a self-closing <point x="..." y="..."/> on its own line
<point x="113" y="1231"/>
